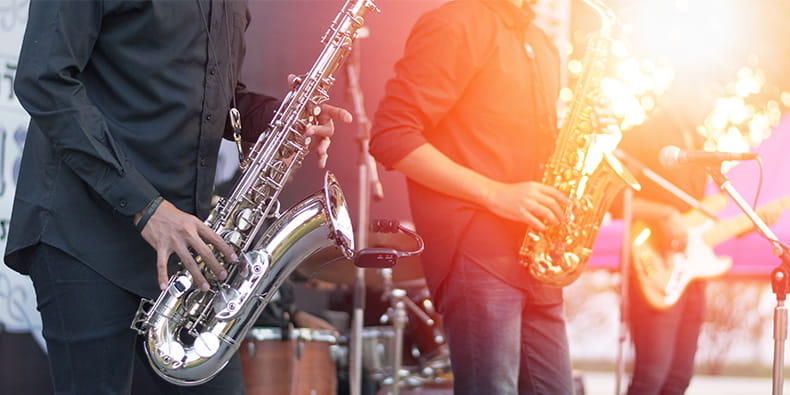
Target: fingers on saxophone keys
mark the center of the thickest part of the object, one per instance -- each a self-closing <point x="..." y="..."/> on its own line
<point x="338" y="113"/>
<point x="549" y="216"/>
<point x="534" y="215"/>
<point x="213" y="264"/>
<point x="323" y="130"/>
<point x="161" y="270"/>
<point x="189" y="263"/>
<point x="323" y="152"/>
<point x="220" y="244"/>
<point x="550" y="209"/>
<point x="555" y="213"/>
<point x="534" y="222"/>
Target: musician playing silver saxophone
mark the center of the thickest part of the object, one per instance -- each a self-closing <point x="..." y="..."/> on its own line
<point x="128" y="103"/>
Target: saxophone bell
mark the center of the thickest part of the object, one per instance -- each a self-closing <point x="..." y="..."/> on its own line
<point x="190" y="335"/>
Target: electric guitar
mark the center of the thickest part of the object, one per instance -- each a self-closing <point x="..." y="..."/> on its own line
<point x="663" y="277"/>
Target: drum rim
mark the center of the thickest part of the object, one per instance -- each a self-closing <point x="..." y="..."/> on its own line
<point x="304" y="334"/>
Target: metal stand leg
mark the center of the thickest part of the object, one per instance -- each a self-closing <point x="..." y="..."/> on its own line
<point x="399" y="322"/>
<point x="625" y="265"/>
<point x="397" y="315"/>
<point x="779" y="286"/>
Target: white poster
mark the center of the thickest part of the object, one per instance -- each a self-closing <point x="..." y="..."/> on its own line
<point x="17" y="299"/>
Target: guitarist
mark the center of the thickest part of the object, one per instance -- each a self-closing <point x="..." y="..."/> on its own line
<point x="665" y="341"/>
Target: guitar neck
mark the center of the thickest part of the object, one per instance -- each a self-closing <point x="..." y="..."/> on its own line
<point x="728" y="228"/>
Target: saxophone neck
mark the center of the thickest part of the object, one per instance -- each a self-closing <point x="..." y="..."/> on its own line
<point x="605" y="13"/>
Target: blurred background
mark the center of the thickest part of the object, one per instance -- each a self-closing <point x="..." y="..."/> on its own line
<point x="738" y="46"/>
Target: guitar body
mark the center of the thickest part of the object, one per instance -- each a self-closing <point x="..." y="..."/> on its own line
<point x="663" y="277"/>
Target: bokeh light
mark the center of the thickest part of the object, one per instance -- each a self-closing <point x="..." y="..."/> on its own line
<point x="658" y="40"/>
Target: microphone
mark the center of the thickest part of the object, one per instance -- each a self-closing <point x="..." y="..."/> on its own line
<point x="671" y="156"/>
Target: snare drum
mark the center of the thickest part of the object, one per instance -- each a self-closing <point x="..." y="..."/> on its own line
<point x="304" y="362"/>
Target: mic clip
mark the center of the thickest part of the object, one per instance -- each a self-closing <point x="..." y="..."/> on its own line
<point x="382" y="257"/>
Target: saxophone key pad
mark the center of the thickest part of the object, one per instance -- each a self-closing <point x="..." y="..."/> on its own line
<point x="180" y="285"/>
<point x="234" y="238"/>
<point x="206" y="344"/>
<point x="245" y="219"/>
<point x="171" y="352"/>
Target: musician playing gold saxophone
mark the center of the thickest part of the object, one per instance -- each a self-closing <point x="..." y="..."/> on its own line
<point x="128" y="102"/>
<point x="469" y="118"/>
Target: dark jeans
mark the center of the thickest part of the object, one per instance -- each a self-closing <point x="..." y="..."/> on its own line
<point x="665" y="342"/>
<point x="499" y="342"/>
<point x="86" y="325"/>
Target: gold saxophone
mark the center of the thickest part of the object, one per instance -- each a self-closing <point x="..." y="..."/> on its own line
<point x="583" y="167"/>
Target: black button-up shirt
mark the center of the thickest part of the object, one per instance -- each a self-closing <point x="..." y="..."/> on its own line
<point x="479" y="81"/>
<point x="128" y="100"/>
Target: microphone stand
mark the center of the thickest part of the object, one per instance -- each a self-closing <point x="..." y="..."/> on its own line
<point x="663" y="182"/>
<point x="625" y="265"/>
<point x="779" y="275"/>
<point x="368" y="178"/>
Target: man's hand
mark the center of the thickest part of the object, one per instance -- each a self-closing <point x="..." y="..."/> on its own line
<point x="532" y="203"/>
<point x="171" y="230"/>
<point x="323" y="131"/>
<point x="325" y="128"/>
<point x="673" y="232"/>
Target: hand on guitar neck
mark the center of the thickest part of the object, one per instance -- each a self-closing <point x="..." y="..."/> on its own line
<point x="664" y="265"/>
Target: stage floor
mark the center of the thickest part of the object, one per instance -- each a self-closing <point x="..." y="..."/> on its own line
<point x="603" y="383"/>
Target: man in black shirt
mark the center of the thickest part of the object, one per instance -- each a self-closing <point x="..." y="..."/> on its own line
<point x="665" y="339"/>
<point x="469" y="119"/>
<point x="128" y="102"/>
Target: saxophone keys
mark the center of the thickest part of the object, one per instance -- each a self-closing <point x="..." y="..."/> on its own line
<point x="171" y="353"/>
<point x="228" y="303"/>
<point x="206" y="344"/>
<point x="179" y="286"/>
<point x="245" y="219"/>
<point x="570" y="260"/>
<point x="234" y="237"/>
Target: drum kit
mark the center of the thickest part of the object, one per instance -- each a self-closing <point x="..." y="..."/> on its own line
<point x="406" y="351"/>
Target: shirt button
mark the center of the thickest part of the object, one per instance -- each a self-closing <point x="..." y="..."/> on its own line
<point x="212" y="71"/>
<point x="209" y="117"/>
<point x="122" y="203"/>
<point x="202" y="162"/>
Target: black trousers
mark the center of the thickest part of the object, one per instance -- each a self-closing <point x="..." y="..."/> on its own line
<point x="86" y="318"/>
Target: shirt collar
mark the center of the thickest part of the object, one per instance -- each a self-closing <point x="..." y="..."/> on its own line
<point x="511" y="15"/>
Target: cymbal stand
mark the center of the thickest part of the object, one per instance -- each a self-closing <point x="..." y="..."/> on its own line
<point x="397" y="316"/>
<point x="399" y="320"/>
<point x="779" y="276"/>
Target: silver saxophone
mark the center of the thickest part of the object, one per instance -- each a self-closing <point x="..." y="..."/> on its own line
<point x="190" y="334"/>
